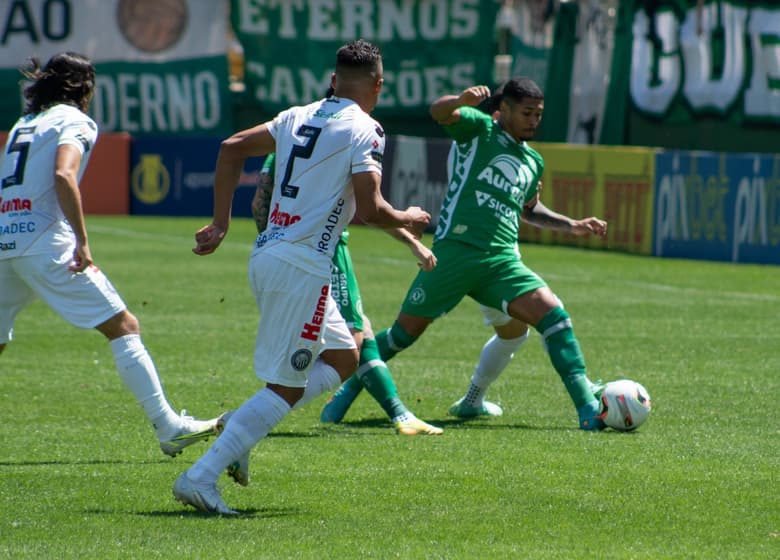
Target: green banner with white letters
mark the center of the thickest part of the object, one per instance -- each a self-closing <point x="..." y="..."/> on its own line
<point x="699" y="76"/>
<point x="430" y="48"/>
<point x="161" y="64"/>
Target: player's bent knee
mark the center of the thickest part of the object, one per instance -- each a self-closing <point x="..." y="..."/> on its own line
<point x="344" y="361"/>
<point x="121" y="324"/>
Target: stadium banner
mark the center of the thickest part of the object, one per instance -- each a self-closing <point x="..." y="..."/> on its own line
<point x="615" y="184"/>
<point x="714" y="65"/>
<point x="718" y="206"/>
<point x="429" y="48"/>
<point x="104" y="188"/>
<point x="578" y="75"/>
<point x="161" y="64"/>
<point x="176" y="177"/>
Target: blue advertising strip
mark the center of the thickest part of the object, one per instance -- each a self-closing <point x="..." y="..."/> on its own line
<point x="717" y="206"/>
<point x="175" y="177"/>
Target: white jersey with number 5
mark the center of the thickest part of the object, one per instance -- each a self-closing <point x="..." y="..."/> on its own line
<point x="318" y="149"/>
<point x="31" y="221"/>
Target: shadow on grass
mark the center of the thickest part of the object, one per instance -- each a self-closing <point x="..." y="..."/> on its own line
<point x="255" y="513"/>
<point x="451" y="423"/>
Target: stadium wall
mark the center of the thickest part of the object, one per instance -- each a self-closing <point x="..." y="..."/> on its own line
<point x="681" y="204"/>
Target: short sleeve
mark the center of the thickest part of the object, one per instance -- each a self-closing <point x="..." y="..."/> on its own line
<point x="472" y="123"/>
<point x="368" y="148"/>
<point x="81" y="133"/>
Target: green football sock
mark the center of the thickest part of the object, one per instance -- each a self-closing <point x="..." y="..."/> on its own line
<point x="376" y="378"/>
<point x="565" y="354"/>
<point x="393" y="340"/>
<point x="351" y="386"/>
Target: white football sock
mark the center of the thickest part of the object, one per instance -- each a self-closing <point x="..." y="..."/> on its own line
<point x="137" y="371"/>
<point x="249" y="424"/>
<point x="495" y="356"/>
<point x="322" y="378"/>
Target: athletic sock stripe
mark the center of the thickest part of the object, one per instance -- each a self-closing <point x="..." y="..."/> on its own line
<point x="368" y="366"/>
<point x="391" y="343"/>
<point x="557" y="327"/>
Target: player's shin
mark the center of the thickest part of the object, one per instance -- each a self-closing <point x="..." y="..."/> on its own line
<point x="376" y="378"/>
<point x="566" y="357"/>
<point x="393" y="340"/>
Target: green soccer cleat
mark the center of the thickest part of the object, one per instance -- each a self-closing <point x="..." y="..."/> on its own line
<point x="191" y="431"/>
<point x="337" y="406"/>
<point x="461" y="410"/>
<point x="413" y="426"/>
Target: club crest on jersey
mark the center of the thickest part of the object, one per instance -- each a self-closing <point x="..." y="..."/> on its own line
<point x="301" y="359"/>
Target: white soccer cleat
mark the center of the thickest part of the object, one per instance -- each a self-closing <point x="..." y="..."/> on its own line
<point x="460" y="409"/>
<point x="238" y="470"/>
<point x="191" y="431"/>
<point x="204" y="497"/>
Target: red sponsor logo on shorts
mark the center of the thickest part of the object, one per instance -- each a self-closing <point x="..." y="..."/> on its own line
<point x="14" y="205"/>
<point x="311" y="330"/>
<point x="282" y="218"/>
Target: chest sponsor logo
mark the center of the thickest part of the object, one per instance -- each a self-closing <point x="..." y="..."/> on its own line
<point x="504" y="173"/>
<point x="280" y="218"/>
<point x="15" y="206"/>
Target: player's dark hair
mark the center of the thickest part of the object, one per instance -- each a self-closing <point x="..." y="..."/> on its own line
<point x="66" y="78"/>
<point x="519" y="88"/>
<point x="492" y="103"/>
<point x="358" y="57"/>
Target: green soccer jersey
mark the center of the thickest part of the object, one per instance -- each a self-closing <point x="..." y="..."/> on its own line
<point x="491" y="177"/>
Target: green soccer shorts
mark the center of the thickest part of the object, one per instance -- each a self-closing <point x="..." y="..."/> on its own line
<point x="492" y="279"/>
<point x="344" y="287"/>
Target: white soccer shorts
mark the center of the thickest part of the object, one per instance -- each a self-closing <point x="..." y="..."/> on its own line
<point x="86" y="299"/>
<point x="298" y="320"/>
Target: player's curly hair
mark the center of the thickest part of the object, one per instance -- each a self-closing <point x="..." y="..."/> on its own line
<point x="66" y="78"/>
<point x="358" y="56"/>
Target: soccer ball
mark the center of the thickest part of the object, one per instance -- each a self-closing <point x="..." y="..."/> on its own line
<point x="625" y="405"/>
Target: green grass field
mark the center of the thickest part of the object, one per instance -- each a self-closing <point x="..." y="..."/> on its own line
<point x="81" y="475"/>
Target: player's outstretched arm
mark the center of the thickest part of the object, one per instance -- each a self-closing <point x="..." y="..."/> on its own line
<point x="445" y="109"/>
<point x="233" y="152"/>
<point x="426" y="260"/>
<point x="374" y="210"/>
<point x="537" y="214"/>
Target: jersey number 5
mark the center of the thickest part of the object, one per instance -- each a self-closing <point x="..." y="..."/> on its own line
<point x="21" y="146"/>
<point x="299" y="151"/>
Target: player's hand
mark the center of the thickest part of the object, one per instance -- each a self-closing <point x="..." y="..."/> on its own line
<point x="474" y="95"/>
<point x="418" y="220"/>
<point x="426" y="260"/>
<point x="82" y="258"/>
<point x="208" y="238"/>
<point x="590" y="225"/>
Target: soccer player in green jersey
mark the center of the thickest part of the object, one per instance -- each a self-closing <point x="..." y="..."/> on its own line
<point x="345" y="290"/>
<point x="494" y="183"/>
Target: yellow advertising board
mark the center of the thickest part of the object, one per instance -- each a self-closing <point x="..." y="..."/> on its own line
<point x="610" y="182"/>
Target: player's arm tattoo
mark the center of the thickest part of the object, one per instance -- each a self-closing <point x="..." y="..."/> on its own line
<point x="542" y="217"/>
<point x="261" y="203"/>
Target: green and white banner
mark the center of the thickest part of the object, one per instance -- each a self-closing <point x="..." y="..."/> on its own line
<point x="682" y="74"/>
<point x="161" y="64"/>
<point x="430" y="48"/>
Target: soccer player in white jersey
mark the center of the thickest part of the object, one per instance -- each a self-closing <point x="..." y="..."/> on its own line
<point x="44" y="251"/>
<point x="328" y="166"/>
